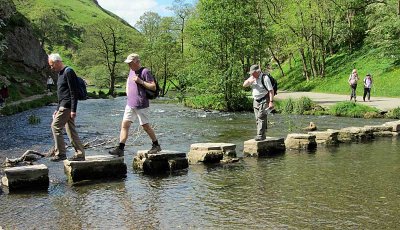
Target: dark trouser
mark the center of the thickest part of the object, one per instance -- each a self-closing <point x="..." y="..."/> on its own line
<point x="367" y="92"/>
<point x="261" y="117"/>
<point x="61" y="120"/>
<point x="49" y="87"/>
<point x="353" y="91"/>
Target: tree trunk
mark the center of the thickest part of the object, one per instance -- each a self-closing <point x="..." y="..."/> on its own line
<point x="276" y="60"/>
<point x="304" y="61"/>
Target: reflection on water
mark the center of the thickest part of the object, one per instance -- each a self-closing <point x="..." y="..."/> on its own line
<point x="353" y="186"/>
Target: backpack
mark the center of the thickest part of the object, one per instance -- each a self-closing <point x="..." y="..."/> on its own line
<point x="82" y="92"/>
<point x="150" y="94"/>
<point x="274" y="83"/>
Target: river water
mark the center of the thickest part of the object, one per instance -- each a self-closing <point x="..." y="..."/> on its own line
<point x="352" y="186"/>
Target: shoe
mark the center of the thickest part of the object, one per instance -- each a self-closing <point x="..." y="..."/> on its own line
<point x="58" y="158"/>
<point x="76" y="158"/>
<point x="259" y="138"/>
<point x="117" y="152"/>
<point x="154" y="149"/>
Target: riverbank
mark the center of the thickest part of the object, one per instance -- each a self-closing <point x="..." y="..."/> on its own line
<point x="327" y="99"/>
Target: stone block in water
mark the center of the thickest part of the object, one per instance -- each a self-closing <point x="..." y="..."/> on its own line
<point x="161" y="162"/>
<point x="26" y="177"/>
<point x="386" y="134"/>
<point x="394" y="124"/>
<point x="354" y="134"/>
<point x="268" y="147"/>
<point x="299" y="141"/>
<point x="95" y="167"/>
<point x="210" y="152"/>
<point x="326" y="137"/>
<point x="379" y="128"/>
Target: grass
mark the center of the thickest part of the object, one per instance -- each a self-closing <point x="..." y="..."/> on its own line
<point x="20" y="107"/>
<point x="352" y="109"/>
<point x="385" y="72"/>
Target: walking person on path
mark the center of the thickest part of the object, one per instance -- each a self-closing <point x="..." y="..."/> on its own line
<point x="50" y="83"/>
<point x="353" y="84"/>
<point x="263" y="98"/>
<point x="65" y="114"/>
<point x="367" y="87"/>
<point x="137" y="106"/>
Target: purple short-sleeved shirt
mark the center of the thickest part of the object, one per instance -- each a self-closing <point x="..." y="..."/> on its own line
<point x="136" y="93"/>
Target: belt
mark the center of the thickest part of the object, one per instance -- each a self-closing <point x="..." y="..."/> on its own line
<point x="261" y="99"/>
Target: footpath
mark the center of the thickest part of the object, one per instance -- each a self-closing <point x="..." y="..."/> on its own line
<point x="326" y="99"/>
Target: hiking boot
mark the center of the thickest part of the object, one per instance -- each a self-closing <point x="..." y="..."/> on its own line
<point x="154" y="149"/>
<point x="77" y="158"/>
<point x="117" y="152"/>
<point x="257" y="138"/>
<point x="58" y="158"/>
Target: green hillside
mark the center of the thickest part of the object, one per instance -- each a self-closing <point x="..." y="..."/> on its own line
<point x="72" y="29"/>
<point x="384" y="69"/>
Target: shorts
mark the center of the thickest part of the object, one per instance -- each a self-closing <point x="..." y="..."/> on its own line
<point x="131" y="114"/>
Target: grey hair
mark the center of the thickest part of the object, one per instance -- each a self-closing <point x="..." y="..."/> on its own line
<point x="55" y="57"/>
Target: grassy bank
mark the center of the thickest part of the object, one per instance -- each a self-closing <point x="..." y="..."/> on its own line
<point x="385" y="72"/>
<point x="23" y="106"/>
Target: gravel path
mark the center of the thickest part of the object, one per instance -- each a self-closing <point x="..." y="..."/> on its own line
<point x="326" y="99"/>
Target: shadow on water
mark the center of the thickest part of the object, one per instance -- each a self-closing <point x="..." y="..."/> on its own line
<point x="348" y="186"/>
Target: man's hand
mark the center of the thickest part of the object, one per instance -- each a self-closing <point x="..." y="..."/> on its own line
<point x="73" y="115"/>
<point x="138" y="80"/>
<point x="249" y="81"/>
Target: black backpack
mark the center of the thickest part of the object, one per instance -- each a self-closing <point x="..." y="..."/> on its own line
<point x="150" y="94"/>
<point x="82" y="91"/>
<point x="274" y="83"/>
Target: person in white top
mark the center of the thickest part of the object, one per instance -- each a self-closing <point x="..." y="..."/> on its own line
<point x="50" y="82"/>
<point x="263" y="98"/>
<point x="367" y="87"/>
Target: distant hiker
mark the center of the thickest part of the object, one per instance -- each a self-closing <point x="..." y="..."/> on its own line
<point x="353" y="84"/>
<point x="263" y="98"/>
<point x="137" y="107"/>
<point x="4" y="94"/>
<point x="367" y="87"/>
<point x="50" y="83"/>
<point x="65" y="114"/>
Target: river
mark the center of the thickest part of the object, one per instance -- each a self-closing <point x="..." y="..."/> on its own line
<point x="352" y="186"/>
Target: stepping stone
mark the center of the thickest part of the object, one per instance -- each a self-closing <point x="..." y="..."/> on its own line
<point x="165" y="161"/>
<point x="26" y="177"/>
<point x="326" y="137"/>
<point x="210" y="152"/>
<point x="394" y="124"/>
<point x="300" y="141"/>
<point x="268" y="147"/>
<point x="95" y="167"/>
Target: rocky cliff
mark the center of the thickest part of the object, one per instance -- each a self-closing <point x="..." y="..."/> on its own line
<point x="23" y="49"/>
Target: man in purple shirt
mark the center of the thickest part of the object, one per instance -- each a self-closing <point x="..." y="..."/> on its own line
<point x="137" y="105"/>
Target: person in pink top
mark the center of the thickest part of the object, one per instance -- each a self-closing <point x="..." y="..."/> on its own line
<point x="137" y="106"/>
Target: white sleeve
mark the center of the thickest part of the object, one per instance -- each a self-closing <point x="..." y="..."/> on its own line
<point x="268" y="83"/>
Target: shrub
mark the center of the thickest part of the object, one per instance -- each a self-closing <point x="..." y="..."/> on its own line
<point x="350" y="109"/>
<point x="394" y="113"/>
<point x="33" y="120"/>
<point x="302" y="105"/>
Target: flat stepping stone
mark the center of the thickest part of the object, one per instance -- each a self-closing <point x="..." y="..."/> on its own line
<point x="268" y="147"/>
<point x="210" y="152"/>
<point x="326" y="137"/>
<point x="394" y="124"/>
<point x="165" y="161"/>
<point x="26" y="177"/>
<point x="95" y="167"/>
<point x="300" y="141"/>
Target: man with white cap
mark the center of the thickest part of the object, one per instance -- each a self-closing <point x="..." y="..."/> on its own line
<point x="263" y="98"/>
<point x="137" y="106"/>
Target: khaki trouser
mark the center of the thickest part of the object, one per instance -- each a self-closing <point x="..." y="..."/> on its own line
<point x="61" y="120"/>
<point x="261" y="117"/>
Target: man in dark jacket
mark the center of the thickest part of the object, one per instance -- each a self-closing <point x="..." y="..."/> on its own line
<point x="65" y="114"/>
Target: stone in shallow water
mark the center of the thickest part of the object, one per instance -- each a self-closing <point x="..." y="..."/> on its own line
<point x="326" y="137"/>
<point x="268" y="147"/>
<point x="210" y="152"/>
<point x="95" y="167"/>
<point x="26" y="177"/>
<point x="300" y="141"/>
<point x="162" y="162"/>
<point x="394" y="124"/>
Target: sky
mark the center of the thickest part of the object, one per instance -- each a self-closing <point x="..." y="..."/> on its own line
<point x="131" y="10"/>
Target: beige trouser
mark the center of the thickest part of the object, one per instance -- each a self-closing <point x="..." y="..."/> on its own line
<point x="61" y="120"/>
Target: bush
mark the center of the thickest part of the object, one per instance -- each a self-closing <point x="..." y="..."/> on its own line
<point x="302" y="105"/>
<point x="286" y="106"/>
<point x="350" y="109"/>
<point x="393" y="114"/>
